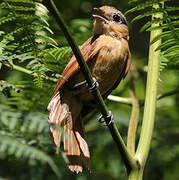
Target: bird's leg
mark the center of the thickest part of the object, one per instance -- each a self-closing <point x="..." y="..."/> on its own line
<point x="79" y="84"/>
<point x="108" y="119"/>
<point x="91" y="88"/>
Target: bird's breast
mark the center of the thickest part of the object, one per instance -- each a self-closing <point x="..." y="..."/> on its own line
<point x="109" y="63"/>
<point x="106" y="66"/>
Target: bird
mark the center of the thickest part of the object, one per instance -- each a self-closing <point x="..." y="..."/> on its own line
<point x="108" y="57"/>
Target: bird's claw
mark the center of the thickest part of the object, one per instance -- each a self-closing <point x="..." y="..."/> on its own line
<point x="91" y="88"/>
<point x="108" y="119"/>
<point x="94" y="85"/>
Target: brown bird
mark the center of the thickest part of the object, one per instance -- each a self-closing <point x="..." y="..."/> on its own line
<point x="108" y="57"/>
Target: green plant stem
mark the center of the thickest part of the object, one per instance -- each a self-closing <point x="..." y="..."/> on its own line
<point x="120" y="99"/>
<point x="128" y="159"/>
<point x="150" y="102"/>
<point x="128" y="100"/>
<point x="21" y="69"/>
<point x="133" y="124"/>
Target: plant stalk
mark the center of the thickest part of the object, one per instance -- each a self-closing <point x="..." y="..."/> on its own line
<point x="21" y="69"/>
<point x="133" y="124"/>
<point x="150" y="102"/>
<point x="120" y="99"/>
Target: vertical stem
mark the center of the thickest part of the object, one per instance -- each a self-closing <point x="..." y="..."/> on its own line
<point x="151" y="96"/>
<point x="134" y="116"/>
<point x="133" y="124"/>
<point x="150" y="103"/>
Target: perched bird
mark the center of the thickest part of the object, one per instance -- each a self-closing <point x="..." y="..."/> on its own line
<point x="108" y="57"/>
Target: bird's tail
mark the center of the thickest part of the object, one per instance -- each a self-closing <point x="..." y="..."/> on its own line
<point x="75" y="145"/>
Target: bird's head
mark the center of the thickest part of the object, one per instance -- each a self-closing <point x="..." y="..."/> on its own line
<point x="110" y="21"/>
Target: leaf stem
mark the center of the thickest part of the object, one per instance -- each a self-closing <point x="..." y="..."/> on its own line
<point x="21" y="69"/>
<point x="128" y="159"/>
<point x="120" y="99"/>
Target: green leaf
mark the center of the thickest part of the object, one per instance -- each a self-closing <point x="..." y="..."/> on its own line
<point x="167" y="44"/>
<point x="160" y="36"/>
<point x="148" y="13"/>
<point x="149" y="23"/>
<point x="10" y="145"/>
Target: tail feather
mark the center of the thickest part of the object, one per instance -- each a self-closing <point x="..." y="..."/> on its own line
<point x="72" y="150"/>
<point x="75" y="145"/>
<point x="54" y="118"/>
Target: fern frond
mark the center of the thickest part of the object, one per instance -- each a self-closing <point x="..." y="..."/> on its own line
<point x="163" y="62"/>
<point x="48" y="39"/>
<point x="172" y="49"/>
<point x="21" y="1"/>
<point x="5" y="87"/>
<point x="160" y="36"/>
<point x="167" y="44"/>
<point x="172" y="8"/>
<point x="27" y="22"/>
<point x="169" y="24"/>
<point x="149" y="23"/>
<point x="8" y="18"/>
<point x="38" y="80"/>
<point x="56" y="58"/>
<point x="35" y="122"/>
<point x="18" y="8"/>
<point x="148" y="13"/>
<point x="144" y="5"/>
<point x="32" y="122"/>
<point x="13" y="146"/>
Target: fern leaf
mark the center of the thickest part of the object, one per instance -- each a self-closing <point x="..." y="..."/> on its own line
<point x="167" y="44"/>
<point x="172" y="8"/>
<point x="6" y="19"/>
<point x="148" y="13"/>
<point x="21" y="1"/>
<point x="149" y="23"/>
<point x="5" y="87"/>
<point x="13" y="146"/>
<point x="160" y="36"/>
<point x="35" y="122"/>
<point x="38" y="79"/>
<point x="18" y="8"/>
<point x="46" y="39"/>
<point x="169" y="24"/>
<point x="160" y="27"/>
<point x="15" y="31"/>
<point x="144" y="5"/>
<point x="57" y="58"/>
<point x="132" y="1"/>
<point x="173" y="49"/>
<point x="163" y="62"/>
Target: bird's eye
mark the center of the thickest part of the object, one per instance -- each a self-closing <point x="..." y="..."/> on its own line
<point x="116" y="18"/>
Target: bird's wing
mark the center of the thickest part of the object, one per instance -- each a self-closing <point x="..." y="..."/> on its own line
<point x="89" y="49"/>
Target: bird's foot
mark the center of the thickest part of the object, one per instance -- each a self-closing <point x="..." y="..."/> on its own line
<point x="94" y="85"/>
<point x="79" y="84"/>
<point x="91" y="88"/>
<point x="108" y="119"/>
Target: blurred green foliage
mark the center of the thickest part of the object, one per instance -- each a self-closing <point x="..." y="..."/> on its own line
<point x="26" y="147"/>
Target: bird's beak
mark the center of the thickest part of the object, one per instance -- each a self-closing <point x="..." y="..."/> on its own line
<point x="100" y="15"/>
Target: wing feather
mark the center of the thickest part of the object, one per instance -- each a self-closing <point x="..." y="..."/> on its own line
<point x="89" y="49"/>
